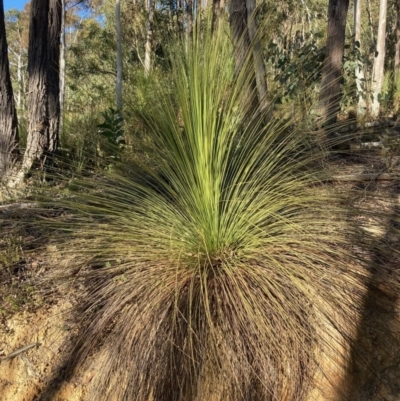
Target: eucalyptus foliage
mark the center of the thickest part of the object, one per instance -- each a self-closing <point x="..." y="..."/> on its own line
<point x="222" y="269"/>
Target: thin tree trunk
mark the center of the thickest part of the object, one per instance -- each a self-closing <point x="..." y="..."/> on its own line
<point x="217" y="11"/>
<point x="242" y="52"/>
<point x="8" y="115"/>
<point x="329" y="99"/>
<point x="371" y="23"/>
<point x="62" y="65"/>
<point x="149" y="39"/>
<point x="189" y="19"/>
<point x="19" y="80"/>
<point x="378" y="69"/>
<point x="53" y="74"/>
<point x="119" y="55"/>
<point x="259" y="66"/>
<point x="359" y="70"/>
<point x="397" y="50"/>
<point x="308" y="18"/>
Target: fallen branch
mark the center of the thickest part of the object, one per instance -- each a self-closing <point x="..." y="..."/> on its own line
<point x="20" y="351"/>
<point x="365" y="177"/>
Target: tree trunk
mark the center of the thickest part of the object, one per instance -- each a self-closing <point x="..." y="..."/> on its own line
<point x="242" y="53"/>
<point x="259" y="66"/>
<point x="43" y="86"/>
<point x="37" y="141"/>
<point x="397" y="49"/>
<point x="149" y="39"/>
<point x="8" y="114"/>
<point x="62" y="65"/>
<point x="378" y="69"/>
<point x="119" y="55"/>
<point x="329" y="98"/>
<point x="217" y="11"/>
<point x="53" y="74"/>
<point x="359" y="70"/>
<point x="189" y="19"/>
<point x="310" y="29"/>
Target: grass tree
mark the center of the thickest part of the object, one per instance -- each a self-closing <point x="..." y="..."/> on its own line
<point x="221" y="268"/>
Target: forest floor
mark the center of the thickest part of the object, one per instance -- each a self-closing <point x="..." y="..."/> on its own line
<point x="39" y="327"/>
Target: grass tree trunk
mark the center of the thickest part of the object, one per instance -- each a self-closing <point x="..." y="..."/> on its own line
<point x="149" y="39"/>
<point x="119" y="55"/>
<point x="378" y="69"/>
<point x="359" y="71"/>
<point x="329" y="98"/>
<point x="8" y="114"/>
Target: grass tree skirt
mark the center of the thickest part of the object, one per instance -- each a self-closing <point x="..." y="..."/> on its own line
<point x="218" y="267"/>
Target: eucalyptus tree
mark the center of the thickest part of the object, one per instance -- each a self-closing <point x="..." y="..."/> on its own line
<point x="246" y="42"/>
<point x="329" y="97"/>
<point x="149" y="38"/>
<point x="63" y="46"/>
<point x="118" y="88"/>
<point x="359" y="69"/>
<point x="8" y="114"/>
<point x="379" y="61"/>
<point x="397" y="48"/>
<point x="43" y="98"/>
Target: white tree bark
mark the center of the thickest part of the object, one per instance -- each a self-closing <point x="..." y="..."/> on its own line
<point x="359" y="71"/>
<point x="149" y="39"/>
<point x="119" y="55"/>
<point x="62" y="65"/>
<point x="308" y="18"/>
<point x="378" y="69"/>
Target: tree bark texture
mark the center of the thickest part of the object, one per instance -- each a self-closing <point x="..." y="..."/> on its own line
<point x="243" y="53"/>
<point x="149" y="39"/>
<point x="379" y="62"/>
<point x="62" y="65"/>
<point x="359" y="71"/>
<point x="189" y="18"/>
<point x="217" y="11"/>
<point x="259" y="66"/>
<point x="329" y="98"/>
<point x="43" y="71"/>
<point x="8" y="114"/>
<point x="53" y="73"/>
<point x="119" y="55"/>
<point x="397" y="50"/>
